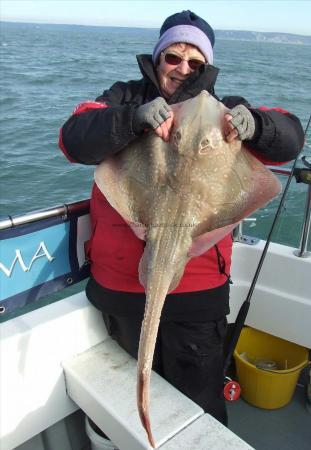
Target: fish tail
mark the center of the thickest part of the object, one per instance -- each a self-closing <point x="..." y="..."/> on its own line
<point x="143" y="401"/>
<point x="147" y="343"/>
<point x="157" y="271"/>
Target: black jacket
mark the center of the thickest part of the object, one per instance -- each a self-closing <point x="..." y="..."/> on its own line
<point x="92" y="136"/>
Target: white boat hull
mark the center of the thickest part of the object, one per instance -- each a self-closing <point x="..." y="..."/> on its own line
<point x="33" y="392"/>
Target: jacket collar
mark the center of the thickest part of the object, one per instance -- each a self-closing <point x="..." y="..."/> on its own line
<point x="202" y="79"/>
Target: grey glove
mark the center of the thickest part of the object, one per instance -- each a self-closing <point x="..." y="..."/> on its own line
<point x="150" y="115"/>
<point x="243" y="121"/>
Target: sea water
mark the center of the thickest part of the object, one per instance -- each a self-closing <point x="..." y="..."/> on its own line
<point x="46" y="70"/>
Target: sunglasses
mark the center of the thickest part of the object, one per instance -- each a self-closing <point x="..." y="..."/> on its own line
<point x="175" y="60"/>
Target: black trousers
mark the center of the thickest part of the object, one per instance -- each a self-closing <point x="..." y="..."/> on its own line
<point x="189" y="355"/>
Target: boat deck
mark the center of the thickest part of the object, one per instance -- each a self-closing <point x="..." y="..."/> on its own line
<point x="287" y="428"/>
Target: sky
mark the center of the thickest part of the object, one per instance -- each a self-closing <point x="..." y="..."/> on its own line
<point x="264" y="15"/>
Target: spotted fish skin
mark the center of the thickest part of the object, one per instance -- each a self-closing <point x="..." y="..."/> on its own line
<point x="181" y="197"/>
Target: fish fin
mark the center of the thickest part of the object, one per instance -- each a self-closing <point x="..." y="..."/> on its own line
<point x="143" y="270"/>
<point x="139" y="230"/>
<point x="252" y="187"/>
<point x="129" y="179"/>
<point x="207" y="240"/>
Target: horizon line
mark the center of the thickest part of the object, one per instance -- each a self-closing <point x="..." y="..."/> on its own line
<point x="143" y="27"/>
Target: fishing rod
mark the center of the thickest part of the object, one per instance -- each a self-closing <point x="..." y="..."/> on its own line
<point x="241" y="317"/>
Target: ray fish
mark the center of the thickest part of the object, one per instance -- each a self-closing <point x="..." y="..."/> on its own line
<point x="181" y="197"/>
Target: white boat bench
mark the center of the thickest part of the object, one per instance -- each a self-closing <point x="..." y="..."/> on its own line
<point x="102" y="382"/>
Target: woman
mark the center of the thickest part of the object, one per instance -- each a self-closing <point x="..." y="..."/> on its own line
<point x="189" y="350"/>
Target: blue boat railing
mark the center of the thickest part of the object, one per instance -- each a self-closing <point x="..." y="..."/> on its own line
<point x="44" y="251"/>
<point x="62" y="211"/>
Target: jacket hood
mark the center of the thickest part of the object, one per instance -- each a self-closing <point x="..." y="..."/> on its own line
<point x="202" y="79"/>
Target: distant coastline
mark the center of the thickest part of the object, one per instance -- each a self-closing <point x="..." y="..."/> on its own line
<point x="233" y="35"/>
<point x="279" y="38"/>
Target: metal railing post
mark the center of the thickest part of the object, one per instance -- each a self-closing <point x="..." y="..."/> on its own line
<point x="302" y="251"/>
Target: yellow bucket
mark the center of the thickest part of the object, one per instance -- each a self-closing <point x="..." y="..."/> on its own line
<point x="268" y="368"/>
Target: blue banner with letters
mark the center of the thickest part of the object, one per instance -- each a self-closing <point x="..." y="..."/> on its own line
<point x="42" y="257"/>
